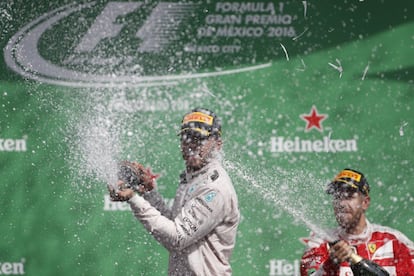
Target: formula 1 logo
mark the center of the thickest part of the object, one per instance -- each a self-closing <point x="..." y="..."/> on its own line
<point x="147" y="43"/>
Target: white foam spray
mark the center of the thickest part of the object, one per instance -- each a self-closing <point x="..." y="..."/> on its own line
<point x="96" y="142"/>
<point x="99" y="145"/>
<point x="297" y="193"/>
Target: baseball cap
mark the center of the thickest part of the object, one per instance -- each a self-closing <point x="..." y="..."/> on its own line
<point x="349" y="178"/>
<point x="201" y="122"/>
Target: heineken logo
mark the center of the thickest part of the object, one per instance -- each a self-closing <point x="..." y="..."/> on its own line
<point x="13" y="268"/>
<point x="147" y="43"/>
<point x="283" y="267"/>
<point x="324" y="144"/>
<point x="15" y="145"/>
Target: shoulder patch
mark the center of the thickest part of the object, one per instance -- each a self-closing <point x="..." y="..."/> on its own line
<point x="215" y="175"/>
<point x="210" y="196"/>
<point x="372" y="247"/>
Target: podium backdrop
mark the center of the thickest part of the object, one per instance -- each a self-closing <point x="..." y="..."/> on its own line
<point x="304" y="88"/>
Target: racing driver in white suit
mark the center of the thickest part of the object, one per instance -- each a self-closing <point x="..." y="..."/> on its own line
<point x="200" y="229"/>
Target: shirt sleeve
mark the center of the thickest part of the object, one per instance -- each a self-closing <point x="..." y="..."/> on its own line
<point x="404" y="259"/>
<point x="315" y="261"/>
<point x="198" y="217"/>
<point x="156" y="200"/>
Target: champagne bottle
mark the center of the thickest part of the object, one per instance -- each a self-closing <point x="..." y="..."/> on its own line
<point x="364" y="267"/>
<point x="131" y="176"/>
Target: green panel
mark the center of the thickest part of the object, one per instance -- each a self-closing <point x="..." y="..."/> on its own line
<point x="61" y="132"/>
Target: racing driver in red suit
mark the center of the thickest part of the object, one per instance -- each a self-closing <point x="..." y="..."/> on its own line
<point x="383" y="245"/>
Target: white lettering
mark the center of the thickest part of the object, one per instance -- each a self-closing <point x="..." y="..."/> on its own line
<point x="13" y="145"/>
<point x="207" y="49"/>
<point x="230" y="48"/>
<point x="230" y="31"/>
<point x="281" y="31"/>
<point x="223" y="19"/>
<point x="283" y="268"/>
<point x="247" y="7"/>
<point x="205" y="31"/>
<point x="280" y="144"/>
<point x="264" y="19"/>
<point x="8" y="268"/>
<point x="212" y="48"/>
<point x="317" y="145"/>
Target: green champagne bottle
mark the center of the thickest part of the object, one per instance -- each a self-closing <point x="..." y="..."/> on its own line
<point x="364" y="267"/>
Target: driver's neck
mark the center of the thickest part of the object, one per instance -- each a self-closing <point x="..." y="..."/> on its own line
<point x="359" y="228"/>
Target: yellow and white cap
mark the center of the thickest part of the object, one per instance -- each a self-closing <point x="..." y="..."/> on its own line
<point x="201" y="122"/>
<point x="349" y="178"/>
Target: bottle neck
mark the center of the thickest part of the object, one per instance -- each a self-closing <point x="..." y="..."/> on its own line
<point x="355" y="258"/>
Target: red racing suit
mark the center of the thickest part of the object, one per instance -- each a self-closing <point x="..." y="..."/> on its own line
<point x="385" y="246"/>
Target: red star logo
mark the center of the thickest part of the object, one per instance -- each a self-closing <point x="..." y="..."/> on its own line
<point x="313" y="119"/>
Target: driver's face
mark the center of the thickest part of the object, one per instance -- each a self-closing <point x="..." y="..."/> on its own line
<point x="196" y="150"/>
<point x="349" y="207"/>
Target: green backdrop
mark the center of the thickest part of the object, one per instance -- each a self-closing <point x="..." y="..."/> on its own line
<point x="304" y="88"/>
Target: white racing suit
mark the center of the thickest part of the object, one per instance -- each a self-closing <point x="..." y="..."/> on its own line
<point x="200" y="229"/>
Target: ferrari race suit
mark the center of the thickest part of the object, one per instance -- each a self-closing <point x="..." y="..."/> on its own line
<point x="385" y="246"/>
<point x="200" y="229"/>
